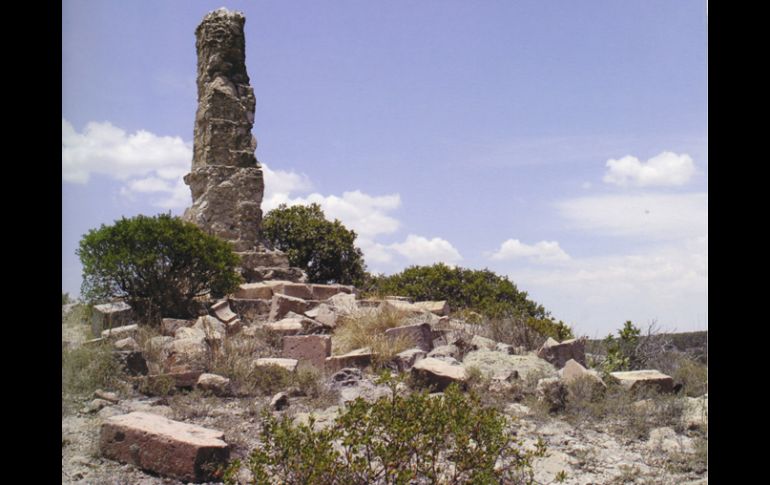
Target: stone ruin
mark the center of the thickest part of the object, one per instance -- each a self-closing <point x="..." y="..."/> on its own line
<point x="226" y="179"/>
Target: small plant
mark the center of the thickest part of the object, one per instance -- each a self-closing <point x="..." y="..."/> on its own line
<point x="367" y="330"/>
<point x="398" y="439"/>
<point x="88" y="368"/>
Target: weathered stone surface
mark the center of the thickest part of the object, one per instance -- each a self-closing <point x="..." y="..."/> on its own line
<point x="696" y="412"/>
<point x="107" y="396"/>
<point x="349" y="376"/>
<point x="195" y="333"/>
<point x="444" y="352"/>
<point x="251" y="310"/>
<point x="110" y="315"/>
<point x="324" y="315"/>
<point x="214" y="330"/>
<point x="221" y="310"/>
<point x="262" y="290"/>
<point x="355" y="358"/>
<point x="573" y="371"/>
<point x="667" y="441"/>
<point x="439" y="373"/>
<point x="492" y="363"/>
<point x="118" y="333"/>
<point x="162" y="446"/>
<point x="288" y="364"/>
<point x="405" y="360"/>
<point x="214" y="383"/>
<point x="479" y="342"/>
<point x="263" y="273"/>
<point x="297" y="290"/>
<point x="127" y="343"/>
<point x="440" y="308"/>
<point x="559" y="353"/>
<point x="96" y="405"/>
<point x="186" y="354"/>
<point x="312" y="349"/>
<point x="280" y="401"/>
<point x="644" y="379"/>
<point x="286" y="326"/>
<point x="343" y="303"/>
<point x="283" y="304"/>
<point x="169" y="325"/>
<point x="324" y="292"/>
<point x="419" y="335"/>
<point x="506" y="349"/>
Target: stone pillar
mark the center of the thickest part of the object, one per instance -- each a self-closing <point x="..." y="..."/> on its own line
<point x="226" y="180"/>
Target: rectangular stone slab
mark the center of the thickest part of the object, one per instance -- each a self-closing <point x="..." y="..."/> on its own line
<point x="160" y="445"/>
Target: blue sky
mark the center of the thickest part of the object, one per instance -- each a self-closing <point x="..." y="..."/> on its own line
<point x="564" y="144"/>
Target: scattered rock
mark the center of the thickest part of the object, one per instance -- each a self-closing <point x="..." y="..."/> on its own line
<point x="573" y="372"/>
<point x="160" y="445"/>
<point x="355" y="358"/>
<point x="444" y="352"/>
<point x="343" y="304"/>
<point x="323" y="314"/>
<point x="439" y="373"/>
<point x="440" y="308"/>
<point x="186" y="354"/>
<point x="107" y="396"/>
<point x="216" y="384"/>
<point x="286" y="326"/>
<point x="127" y="343"/>
<point x="96" y="405"/>
<point x="418" y="335"/>
<point x="493" y="363"/>
<point x="312" y="349"/>
<point x="482" y="343"/>
<point x="251" y="310"/>
<point x="262" y="290"/>
<point x="280" y="401"/>
<point x="637" y="380"/>
<point x="168" y="326"/>
<point x="507" y="349"/>
<point x="280" y="305"/>
<point x="288" y="364"/>
<point x="559" y="353"/>
<point x="110" y="315"/>
<point x="405" y="360"/>
<point x="118" y="333"/>
<point x="324" y="292"/>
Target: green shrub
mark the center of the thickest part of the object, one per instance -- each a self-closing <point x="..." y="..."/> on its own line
<point x="479" y="290"/>
<point x="324" y="249"/>
<point x="398" y="439"/>
<point x="158" y="264"/>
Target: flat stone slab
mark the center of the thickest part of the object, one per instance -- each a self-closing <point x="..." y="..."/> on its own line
<point x="313" y="349"/>
<point x="419" y="335"/>
<point x="355" y="358"/>
<point x="280" y="305"/>
<point x="439" y="372"/>
<point x="439" y="308"/>
<point x="170" y="325"/>
<point x="287" y="326"/>
<point x="639" y="379"/>
<point x="110" y="315"/>
<point x="492" y="363"/>
<point x="160" y="445"/>
<point x="262" y="290"/>
<point x="288" y="364"/>
<point x="222" y="311"/>
<point x="120" y="332"/>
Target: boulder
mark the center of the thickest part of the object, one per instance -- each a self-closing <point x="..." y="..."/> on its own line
<point x="215" y="384"/>
<point x="110" y="315"/>
<point x="343" y="304"/>
<point x="324" y="315"/>
<point x="324" y="292"/>
<point x="573" y="371"/>
<point x="280" y="305"/>
<point x="492" y="363"/>
<point x="288" y="364"/>
<point x="444" y="352"/>
<point x="132" y="362"/>
<point x="439" y="373"/>
<point x="127" y="343"/>
<point x="168" y="326"/>
<point x="507" y="349"/>
<point x="286" y="326"/>
<point x="214" y="329"/>
<point x="160" y="445"/>
<point x="251" y="310"/>
<point x="194" y="333"/>
<point x="405" y="360"/>
<point x="347" y="377"/>
<point x="311" y="349"/>
<point x="117" y="333"/>
<point x="419" y="335"/>
<point x="296" y="290"/>
<point x="356" y="358"/>
<point x="440" y="308"/>
<point x="479" y="342"/>
<point x="107" y="396"/>
<point x="639" y="380"/>
<point x="222" y="311"/>
<point x="96" y="405"/>
<point x="559" y="353"/>
<point x="262" y="290"/>
<point x="186" y="354"/>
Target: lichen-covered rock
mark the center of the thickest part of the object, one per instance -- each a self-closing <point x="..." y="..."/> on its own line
<point x="638" y="380"/>
<point x="439" y="373"/>
<point x="492" y="363"/>
<point x="419" y="335"/>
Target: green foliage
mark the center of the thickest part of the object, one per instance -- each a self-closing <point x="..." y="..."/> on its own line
<point x="479" y="290"/>
<point x="158" y="264"/>
<point x="324" y="249"/>
<point x="398" y="439"/>
<point x="621" y="351"/>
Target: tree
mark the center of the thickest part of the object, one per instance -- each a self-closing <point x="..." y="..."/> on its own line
<point x="158" y="264"/>
<point x="324" y="249"/>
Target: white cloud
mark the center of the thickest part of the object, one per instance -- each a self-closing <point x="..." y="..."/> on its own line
<point x="646" y="216"/>
<point x="543" y="251"/>
<point x="423" y="251"/>
<point x="108" y="150"/>
<point x="665" y="169"/>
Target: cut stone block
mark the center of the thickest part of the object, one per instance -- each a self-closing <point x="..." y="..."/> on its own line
<point x="282" y="304"/>
<point x="120" y="332"/>
<point x="287" y="326"/>
<point x="324" y="315"/>
<point x="559" y="353"/>
<point x="440" y="308"/>
<point x="288" y="364"/>
<point x="222" y="311"/>
<point x="405" y="360"/>
<point x="296" y="290"/>
<point x="356" y="358"/>
<point x="251" y="310"/>
<point x="324" y="292"/>
<point x="169" y="325"/>
<point x="419" y="335"/>
<point x="160" y="445"/>
<point x="262" y="290"/>
<point x="312" y="349"/>
<point x="343" y="303"/>
<point x="644" y="379"/>
<point x="439" y="373"/>
<point x="110" y="315"/>
<point x="573" y="370"/>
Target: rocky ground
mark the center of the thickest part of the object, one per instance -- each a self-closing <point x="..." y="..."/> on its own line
<point x="634" y="443"/>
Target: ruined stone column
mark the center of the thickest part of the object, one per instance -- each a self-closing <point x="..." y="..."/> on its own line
<point x="226" y="180"/>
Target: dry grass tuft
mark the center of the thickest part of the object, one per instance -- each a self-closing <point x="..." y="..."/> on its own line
<point x="367" y="329"/>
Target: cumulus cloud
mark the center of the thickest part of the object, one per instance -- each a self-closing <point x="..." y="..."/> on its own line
<point x="665" y="169"/>
<point x="420" y="250"/>
<point x="646" y="216"/>
<point x="105" y="149"/>
<point x="543" y="251"/>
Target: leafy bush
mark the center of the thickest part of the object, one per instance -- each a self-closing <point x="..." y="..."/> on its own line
<point x="324" y="249"/>
<point x="633" y="351"/>
<point x="158" y="264"/>
<point x="398" y="439"/>
<point x="479" y="290"/>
